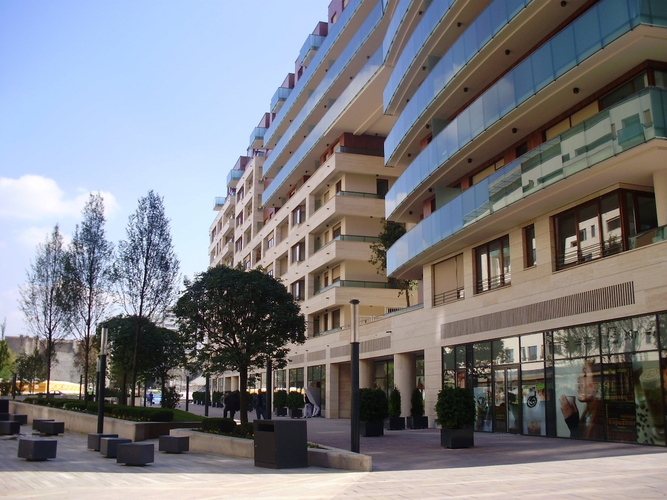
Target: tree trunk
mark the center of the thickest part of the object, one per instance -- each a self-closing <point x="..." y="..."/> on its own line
<point x="86" y="348"/>
<point x="123" y="393"/>
<point x="134" y="360"/>
<point x="163" y="389"/>
<point x="243" y="379"/>
<point x="48" y="366"/>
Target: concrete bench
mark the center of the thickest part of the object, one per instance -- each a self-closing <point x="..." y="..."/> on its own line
<point x="9" y="427"/>
<point x="174" y="444"/>
<point x="37" y="448"/>
<point x="50" y="427"/>
<point x="37" y="421"/>
<point x="94" y="440"/>
<point x="135" y="453"/>
<point x="109" y="446"/>
<point x="22" y="419"/>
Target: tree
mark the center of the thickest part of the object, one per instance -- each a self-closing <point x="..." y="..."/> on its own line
<point x="239" y="320"/>
<point x="30" y="368"/>
<point x="43" y="299"/>
<point x="7" y="358"/>
<point x="168" y="352"/>
<point x="391" y="232"/>
<point x="146" y="271"/>
<point x="88" y="273"/>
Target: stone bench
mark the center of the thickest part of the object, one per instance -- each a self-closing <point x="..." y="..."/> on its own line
<point x="109" y="446"/>
<point x="174" y="444"/>
<point x="135" y="453"/>
<point x="37" y="448"/>
<point x="9" y="427"/>
<point x="22" y="419"/>
<point x="37" y="421"/>
<point x="50" y="427"/>
<point x="94" y="440"/>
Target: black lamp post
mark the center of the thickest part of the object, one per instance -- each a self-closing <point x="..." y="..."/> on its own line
<point x="102" y="381"/>
<point x="187" y="390"/>
<point x="354" y="375"/>
<point x="269" y="389"/>
<point x="206" y="397"/>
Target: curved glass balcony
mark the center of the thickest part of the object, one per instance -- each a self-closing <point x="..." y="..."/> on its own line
<point x="630" y="123"/>
<point x="279" y="98"/>
<point x="592" y="31"/>
<point x="332" y="75"/>
<point x="490" y="21"/>
<point x="346" y="98"/>
<point x="257" y="137"/>
<point x="359" y="284"/>
<point x="394" y="25"/>
<point x="313" y="42"/>
<point x="233" y="177"/>
<point x="430" y="20"/>
<point x="302" y="84"/>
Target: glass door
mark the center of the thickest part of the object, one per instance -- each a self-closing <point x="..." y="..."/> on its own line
<point x="507" y="400"/>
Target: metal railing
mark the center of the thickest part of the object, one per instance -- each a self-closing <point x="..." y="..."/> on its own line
<point x="448" y="296"/>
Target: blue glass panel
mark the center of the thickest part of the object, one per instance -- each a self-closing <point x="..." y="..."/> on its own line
<point x="491" y="106"/>
<point x="523" y="81"/>
<point x="514" y="6"/>
<point x="476" y="113"/>
<point x="563" y="51"/>
<point x="542" y="67"/>
<point x="587" y="34"/>
<point x="612" y="27"/>
<point x="506" y="94"/>
<point x="484" y="28"/>
<point x="499" y="18"/>
<point x="463" y="122"/>
<point x="470" y="43"/>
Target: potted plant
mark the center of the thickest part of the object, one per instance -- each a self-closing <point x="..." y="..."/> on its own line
<point x="373" y="409"/>
<point x="295" y="404"/>
<point x="396" y="422"/>
<point x="455" y="411"/>
<point x="417" y="420"/>
<point x="280" y="403"/>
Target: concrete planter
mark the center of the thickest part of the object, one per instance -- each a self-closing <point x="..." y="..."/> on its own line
<point x="373" y="428"/>
<point x="417" y="422"/>
<point x="396" y="423"/>
<point x="457" y="438"/>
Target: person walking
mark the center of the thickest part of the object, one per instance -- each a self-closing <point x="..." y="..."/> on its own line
<point x="314" y="394"/>
<point x="259" y="403"/>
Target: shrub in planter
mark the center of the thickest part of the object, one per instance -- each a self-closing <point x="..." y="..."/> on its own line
<point x="280" y="403"/>
<point x="455" y="412"/>
<point x="373" y="409"/>
<point x="417" y="420"/>
<point x="219" y="425"/>
<point x="396" y="422"/>
<point x="295" y="402"/>
<point x="244" y="430"/>
<point x="170" y="398"/>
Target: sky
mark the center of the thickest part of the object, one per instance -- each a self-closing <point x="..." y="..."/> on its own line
<point x="125" y="96"/>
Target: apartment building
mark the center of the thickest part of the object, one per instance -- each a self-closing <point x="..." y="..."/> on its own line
<point x="522" y="144"/>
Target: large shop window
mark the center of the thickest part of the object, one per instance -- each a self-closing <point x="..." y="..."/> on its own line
<point x="492" y="265"/>
<point x="603" y="227"/>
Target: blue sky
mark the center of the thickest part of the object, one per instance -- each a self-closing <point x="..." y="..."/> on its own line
<point x="121" y="97"/>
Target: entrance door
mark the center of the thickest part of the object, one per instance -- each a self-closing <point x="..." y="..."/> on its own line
<point x="507" y="400"/>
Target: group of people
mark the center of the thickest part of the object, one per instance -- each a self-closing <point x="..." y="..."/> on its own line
<point x="232" y="402"/>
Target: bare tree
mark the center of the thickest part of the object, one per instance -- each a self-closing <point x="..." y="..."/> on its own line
<point x="146" y="271"/>
<point x="88" y="273"/>
<point x="43" y="297"/>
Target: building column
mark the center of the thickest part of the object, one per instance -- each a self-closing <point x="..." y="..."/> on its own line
<point x="366" y="373"/>
<point x="234" y="383"/>
<point x="331" y="394"/>
<point x="404" y="379"/>
<point x="660" y="188"/>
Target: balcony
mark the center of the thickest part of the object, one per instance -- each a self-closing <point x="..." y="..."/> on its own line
<point x="312" y="43"/>
<point x="257" y="137"/>
<point x="359" y="284"/>
<point x="347" y="237"/>
<point x="279" y="99"/>
<point x="598" y="27"/>
<point x="219" y="203"/>
<point x="233" y="177"/>
<point x="630" y="123"/>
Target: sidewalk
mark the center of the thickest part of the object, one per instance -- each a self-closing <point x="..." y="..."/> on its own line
<point x="406" y="464"/>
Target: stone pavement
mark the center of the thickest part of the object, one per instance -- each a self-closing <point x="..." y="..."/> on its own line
<point x="406" y="464"/>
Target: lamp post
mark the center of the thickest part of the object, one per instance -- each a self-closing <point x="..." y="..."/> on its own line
<point x="354" y="375"/>
<point x="206" y="399"/>
<point x="102" y="381"/>
<point x="269" y="389"/>
<point x="187" y="390"/>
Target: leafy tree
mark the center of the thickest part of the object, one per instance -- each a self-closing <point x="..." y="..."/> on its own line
<point x="146" y="271"/>
<point x="44" y="298"/>
<point x="81" y="356"/>
<point x="88" y="272"/>
<point x="30" y="368"/>
<point x="239" y="320"/>
<point x="167" y="351"/>
<point x="7" y="361"/>
<point x="391" y="232"/>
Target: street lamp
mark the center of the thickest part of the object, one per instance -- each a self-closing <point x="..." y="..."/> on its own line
<point x="354" y="375"/>
<point x="102" y="381"/>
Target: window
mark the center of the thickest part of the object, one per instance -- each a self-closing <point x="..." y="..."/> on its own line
<point x="239" y="244"/>
<point x="239" y="220"/>
<point x="299" y="289"/>
<point x="299" y="252"/>
<point x="335" y="274"/>
<point x="271" y="242"/>
<point x="492" y="265"/>
<point x="602" y="227"/>
<point x="529" y="246"/>
<point x="298" y="215"/>
<point x="335" y="231"/>
<point x="339" y="186"/>
<point x="448" y="280"/>
<point x="382" y="186"/>
<point x="335" y="318"/>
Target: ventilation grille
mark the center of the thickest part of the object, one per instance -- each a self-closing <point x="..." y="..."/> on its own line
<point x="609" y="297"/>
<point x="297" y="359"/>
<point x="317" y="355"/>
<point x="376" y="344"/>
<point x="341" y="351"/>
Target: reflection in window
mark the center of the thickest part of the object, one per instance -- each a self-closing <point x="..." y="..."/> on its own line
<point x="492" y="265"/>
<point x="576" y="341"/>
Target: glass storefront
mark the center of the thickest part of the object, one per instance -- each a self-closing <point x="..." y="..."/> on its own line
<point x="602" y="381"/>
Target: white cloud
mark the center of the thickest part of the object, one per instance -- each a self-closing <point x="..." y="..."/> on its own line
<point x="34" y="197"/>
<point x="33" y="236"/>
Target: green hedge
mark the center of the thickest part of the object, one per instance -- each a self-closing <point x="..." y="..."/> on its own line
<point x="219" y="425"/>
<point x="136" y="413"/>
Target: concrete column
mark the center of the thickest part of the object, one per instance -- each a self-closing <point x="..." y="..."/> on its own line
<point x="404" y="379"/>
<point x="660" y="187"/>
<point x="366" y="374"/>
<point x="331" y="394"/>
<point x="235" y="384"/>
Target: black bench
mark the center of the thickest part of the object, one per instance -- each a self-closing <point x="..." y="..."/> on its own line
<point x="135" y="453"/>
<point x="23" y="419"/>
<point x="36" y="422"/>
<point x="9" y="427"/>
<point x="94" y="440"/>
<point x="174" y="444"/>
<point x="4" y="417"/>
<point x="37" y="448"/>
<point x="50" y="427"/>
<point x="4" y="405"/>
<point x="109" y="446"/>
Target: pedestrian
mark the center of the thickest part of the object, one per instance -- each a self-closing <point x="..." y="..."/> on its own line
<point x="309" y="406"/>
<point x="150" y="398"/>
<point x="314" y="393"/>
<point x="259" y="403"/>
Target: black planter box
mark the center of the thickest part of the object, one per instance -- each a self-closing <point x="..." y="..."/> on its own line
<point x="4" y="405"/>
<point x="396" y="423"/>
<point x="281" y="412"/>
<point x="457" y="438"/>
<point x="372" y="428"/>
<point x="296" y="413"/>
<point x="417" y="422"/>
<point x="281" y="444"/>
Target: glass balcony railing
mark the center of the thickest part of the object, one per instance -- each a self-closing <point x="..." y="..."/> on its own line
<point x="219" y="202"/>
<point x="359" y="284"/>
<point x="304" y="82"/>
<point x="630" y="123"/>
<point x="394" y="25"/>
<point x="592" y="31"/>
<point x="648" y="237"/>
<point x="347" y="97"/>
<point x="482" y="30"/>
<point x="257" y="137"/>
<point x="233" y="176"/>
<point x="312" y="43"/>
<point x="279" y="98"/>
<point x="430" y="20"/>
<point x="327" y="82"/>
<point x="347" y="237"/>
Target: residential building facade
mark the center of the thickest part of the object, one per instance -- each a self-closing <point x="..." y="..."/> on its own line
<point x="523" y="145"/>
